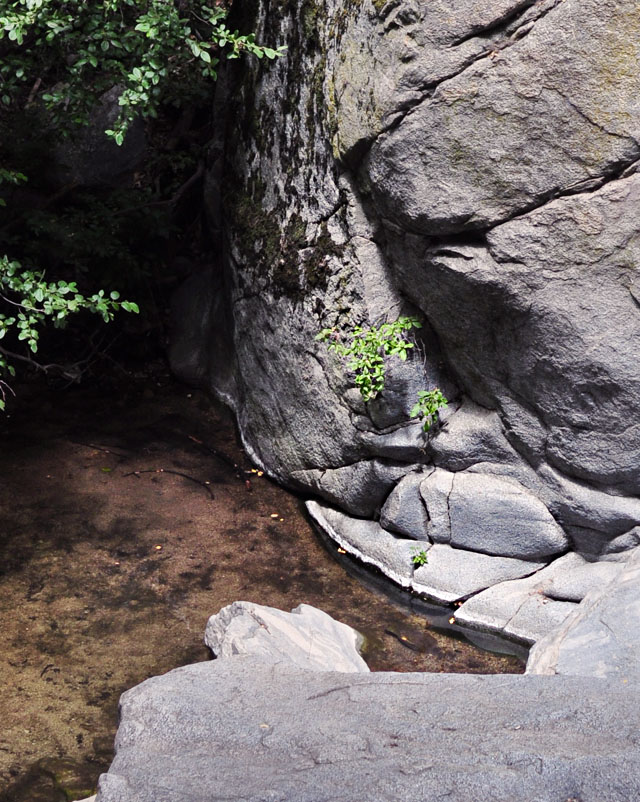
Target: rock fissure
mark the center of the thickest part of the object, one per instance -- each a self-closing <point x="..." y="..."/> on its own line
<point x="591" y="121"/>
<point x="511" y="20"/>
<point x="593" y="185"/>
<point x="329" y="692"/>
<point x="613" y="633"/>
<point x="426" y="91"/>
<point x="448" y="499"/>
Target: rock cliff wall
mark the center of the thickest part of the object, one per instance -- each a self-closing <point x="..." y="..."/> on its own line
<point x="473" y="163"/>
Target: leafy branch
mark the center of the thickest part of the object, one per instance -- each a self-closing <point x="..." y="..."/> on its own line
<point x="366" y="353"/>
<point x="60" y="57"/>
<point x="428" y="407"/>
<point x="31" y="302"/>
<point x="367" y="350"/>
<point x="156" y="51"/>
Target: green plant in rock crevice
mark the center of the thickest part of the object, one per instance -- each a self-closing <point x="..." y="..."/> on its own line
<point x="428" y="407"/>
<point x="366" y="353"/>
<point x="419" y="557"/>
<point x="367" y="350"/>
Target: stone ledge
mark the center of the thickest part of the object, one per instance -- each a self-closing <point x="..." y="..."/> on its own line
<point x="240" y="729"/>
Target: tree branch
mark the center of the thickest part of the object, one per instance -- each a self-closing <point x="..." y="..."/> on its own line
<point x="71" y="372"/>
<point x="173" y="200"/>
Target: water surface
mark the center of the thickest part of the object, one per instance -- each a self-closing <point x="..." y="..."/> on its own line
<point x="129" y="515"/>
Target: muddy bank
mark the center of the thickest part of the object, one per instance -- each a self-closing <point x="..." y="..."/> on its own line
<point x="128" y="518"/>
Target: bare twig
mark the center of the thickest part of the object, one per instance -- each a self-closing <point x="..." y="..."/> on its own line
<point x="101" y="448"/>
<point x="19" y="305"/>
<point x="33" y="91"/>
<point x="4" y="387"/>
<point x="173" y="200"/>
<point x="70" y="372"/>
<point x="222" y="457"/>
<point x="206" y="485"/>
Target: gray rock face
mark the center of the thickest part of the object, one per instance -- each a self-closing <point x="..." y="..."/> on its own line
<point x="574" y="502"/>
<point x="489" y="514"/>
<point x="543" y="116"/>
<point x="404" y="511"/>
<point x="393" y="53"/>
<point x="240" y="729"/>
<point x="453" y="574"/>
<point x="600" y="638"/>
<point x="574" y="585"/>
<point x="359" y="488"/>
<point x="368" y="541"/>
<point x="629" y="540"/>
<point x="529" y="291"/>
<point x="306" y="637"/>
<point x="472" y="435"/>
<point x="475" y="164"/>
<point x="519" y="608"/>
<point x="449" y="575"/>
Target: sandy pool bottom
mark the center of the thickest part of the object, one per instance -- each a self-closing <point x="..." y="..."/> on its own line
<point x="127" y="519"/>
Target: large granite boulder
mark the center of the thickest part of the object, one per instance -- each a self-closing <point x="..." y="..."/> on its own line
<point x="519" y="608"/>
<point x="246" y="727"/>
<point x="238" y="729"/>
<point x="489" y="514"/>
<point x="404" y="510"/>
<point x="555" y="288"/>
<point x="550" y="112"/>
<point x="474" y="164"/>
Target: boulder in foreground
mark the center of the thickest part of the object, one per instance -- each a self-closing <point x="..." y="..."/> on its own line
<point x="242" y="729"/>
